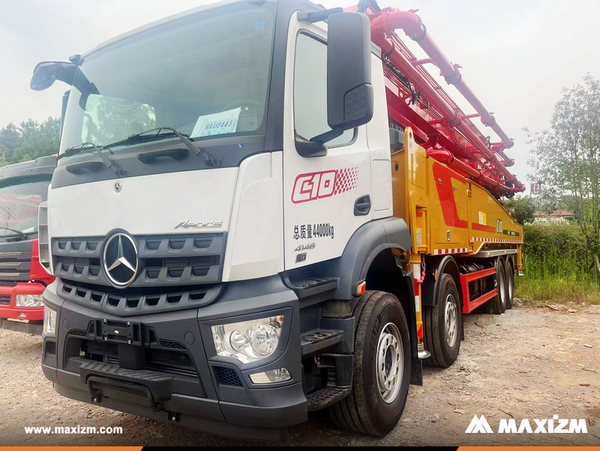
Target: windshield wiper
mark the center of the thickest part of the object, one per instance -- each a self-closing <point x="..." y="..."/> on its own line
<point x="20" y="234"/>
<point x="91" y="147"/>
<point x="185" y="139"/>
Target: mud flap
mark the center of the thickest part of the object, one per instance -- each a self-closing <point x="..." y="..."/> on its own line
<point x="416" y="373"/>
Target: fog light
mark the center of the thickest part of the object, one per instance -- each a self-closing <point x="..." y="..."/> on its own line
<point x="29" y="300"/>
<point x="271" y="376"/>
<point x="22" y="315"/>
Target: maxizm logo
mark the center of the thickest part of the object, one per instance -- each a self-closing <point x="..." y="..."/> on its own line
<point x="550" y="426"/>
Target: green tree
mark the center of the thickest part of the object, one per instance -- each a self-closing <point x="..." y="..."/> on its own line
<point x="9" y="139"/>
<point x="567" y="156"/>
<point x="521" y="209"/>
<point x="30" y="140"/>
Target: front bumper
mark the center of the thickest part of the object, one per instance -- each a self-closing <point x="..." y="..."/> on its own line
<point x="11" y="311"/>
<point x="213" y="393"/>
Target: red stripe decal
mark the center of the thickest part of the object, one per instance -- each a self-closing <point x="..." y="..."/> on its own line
<point x="483" y="228"/>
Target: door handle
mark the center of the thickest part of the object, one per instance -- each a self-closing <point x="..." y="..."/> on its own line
<point x="362" y="206"/>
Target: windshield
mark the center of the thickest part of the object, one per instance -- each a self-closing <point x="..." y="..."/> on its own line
<point x="204" y="75"/>
<point x="19" y="206"/>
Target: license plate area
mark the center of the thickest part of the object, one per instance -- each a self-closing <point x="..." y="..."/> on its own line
<point x="123" y="332"/>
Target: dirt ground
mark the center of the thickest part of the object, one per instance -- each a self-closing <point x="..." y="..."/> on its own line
<point x="529" y="363"/>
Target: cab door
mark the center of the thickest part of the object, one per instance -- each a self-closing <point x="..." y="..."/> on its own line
<point x="326" y="197"/>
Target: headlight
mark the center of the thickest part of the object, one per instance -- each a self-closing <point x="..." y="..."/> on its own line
<point x="248" y="341"/>
<point x="29" y="300"/>
<point x="50" y="321"/>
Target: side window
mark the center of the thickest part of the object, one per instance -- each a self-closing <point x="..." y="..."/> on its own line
<point x="310" y="92"/>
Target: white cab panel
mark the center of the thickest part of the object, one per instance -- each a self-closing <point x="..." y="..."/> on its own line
<point x="319" y="192"/>
<point x="379" y="145"/>
<point x="151" y="205"/>
<point x="255" y="240"/>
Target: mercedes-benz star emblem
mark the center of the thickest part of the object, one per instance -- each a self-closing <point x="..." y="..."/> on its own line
<point x="120" y="260"/>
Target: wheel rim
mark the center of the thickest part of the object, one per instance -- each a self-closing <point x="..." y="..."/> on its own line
<point x="390" y="362"/>
<point x="451" y="320"/>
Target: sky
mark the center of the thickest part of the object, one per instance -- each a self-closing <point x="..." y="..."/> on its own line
<point x="515" y="55"/>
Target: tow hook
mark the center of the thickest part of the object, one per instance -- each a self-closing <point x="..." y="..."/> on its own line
<point x="96" y="397"/>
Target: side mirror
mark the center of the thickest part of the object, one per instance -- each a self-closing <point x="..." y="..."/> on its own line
<point x="349" y="87"/>
<point x="47" y="72"/>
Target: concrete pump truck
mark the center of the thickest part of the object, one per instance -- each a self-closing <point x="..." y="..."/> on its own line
<point x="267" y="208"/>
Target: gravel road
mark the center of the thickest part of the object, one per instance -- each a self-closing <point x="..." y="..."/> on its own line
<point x="529" y="363"/>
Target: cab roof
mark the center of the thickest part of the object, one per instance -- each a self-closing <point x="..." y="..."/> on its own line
<point x="39" y="167"/>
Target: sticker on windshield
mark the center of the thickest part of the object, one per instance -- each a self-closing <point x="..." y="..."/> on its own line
<point x="217" y="123"/>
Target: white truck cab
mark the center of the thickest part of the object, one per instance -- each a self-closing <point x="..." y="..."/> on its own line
<point x="221" y="205"/>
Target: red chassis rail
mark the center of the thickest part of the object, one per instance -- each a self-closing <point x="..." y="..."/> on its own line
<point x="468" y="305"/>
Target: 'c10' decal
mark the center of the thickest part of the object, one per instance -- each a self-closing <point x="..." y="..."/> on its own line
<point x="319" y="185"/>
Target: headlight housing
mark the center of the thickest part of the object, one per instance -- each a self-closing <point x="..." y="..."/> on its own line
<point x="50" y="322"/>
<point x="248" y="341"/>
<point x="29" y="300"/>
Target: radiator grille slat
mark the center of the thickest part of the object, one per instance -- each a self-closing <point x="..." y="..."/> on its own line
<point x="137" y="302"/>
<point x="164" y="260"/>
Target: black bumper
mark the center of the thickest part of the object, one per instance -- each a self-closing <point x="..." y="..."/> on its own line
<point x="197" y="396"/>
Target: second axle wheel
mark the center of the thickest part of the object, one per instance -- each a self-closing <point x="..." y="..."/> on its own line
<point x="443" y="325"/>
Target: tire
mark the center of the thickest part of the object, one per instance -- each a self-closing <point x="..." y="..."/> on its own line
<point x="441" y="340"/>
<point x="365" y="409"/>
<point x="510" y="283"/>
<point x="498" y="303"/>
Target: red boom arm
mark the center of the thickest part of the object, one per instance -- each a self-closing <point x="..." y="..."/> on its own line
<point x="416" y="100"/>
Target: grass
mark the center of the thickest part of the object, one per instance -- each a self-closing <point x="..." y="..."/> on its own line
<point x="556" y="290"/>
<point x="557" y="280"/>
<point x="558" y="266"/>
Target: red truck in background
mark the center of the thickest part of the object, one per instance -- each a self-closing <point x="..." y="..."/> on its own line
<point x="23" y="187"/>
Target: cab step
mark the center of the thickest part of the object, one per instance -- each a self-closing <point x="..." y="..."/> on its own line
<point x="326" y="397"/>
<point x="312" y="286"/>
<point x="317" y="340"/>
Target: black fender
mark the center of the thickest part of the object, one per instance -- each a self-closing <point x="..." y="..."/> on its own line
<point x="366" y="243"/>
<point x="431" y="286"/>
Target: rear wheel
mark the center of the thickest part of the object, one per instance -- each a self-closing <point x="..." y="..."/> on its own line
<point x="498" y="304"/>
<point x="443" y="325"/>
<point x="510" y="283"/>
<point x="382" y="365"/>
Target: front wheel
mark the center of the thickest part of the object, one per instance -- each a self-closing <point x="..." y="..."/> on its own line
<point x="382" y="365"/>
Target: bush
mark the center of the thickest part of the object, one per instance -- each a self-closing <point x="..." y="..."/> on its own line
<point x="557" y="264"/>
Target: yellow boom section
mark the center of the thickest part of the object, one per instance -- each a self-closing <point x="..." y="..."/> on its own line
<point x="446" y="212"/>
